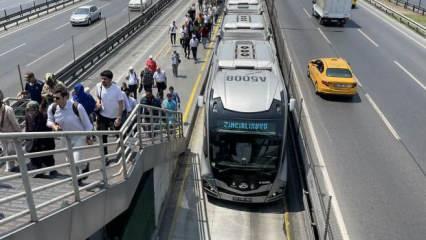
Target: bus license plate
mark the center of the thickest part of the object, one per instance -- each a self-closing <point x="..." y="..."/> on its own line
<point x="241" y="199"/>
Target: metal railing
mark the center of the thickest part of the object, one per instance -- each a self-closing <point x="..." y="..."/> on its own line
<point x="146" y="125"/>
<point x="75" y="70"/>
<point x="415" y="7"/>
<point x="419" y="28"/>
<point x="30" y="9"/>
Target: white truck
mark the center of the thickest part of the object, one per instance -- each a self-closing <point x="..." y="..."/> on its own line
<point x="338" y="11"/>
<point x="139" y="5"/>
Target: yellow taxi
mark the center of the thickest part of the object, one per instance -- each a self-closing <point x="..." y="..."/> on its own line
<point x="332" y="76"/>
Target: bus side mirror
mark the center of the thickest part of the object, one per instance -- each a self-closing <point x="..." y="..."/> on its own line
<point x="292" y="104"/>
<point x="200" y="101"/>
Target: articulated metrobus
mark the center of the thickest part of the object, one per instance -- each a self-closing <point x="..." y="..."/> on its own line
<point x="246" y="124"/>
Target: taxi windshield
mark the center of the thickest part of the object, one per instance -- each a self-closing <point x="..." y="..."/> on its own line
<point x="338" y="72"/>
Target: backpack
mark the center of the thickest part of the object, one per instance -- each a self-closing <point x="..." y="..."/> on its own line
<point x="74" y="109"/>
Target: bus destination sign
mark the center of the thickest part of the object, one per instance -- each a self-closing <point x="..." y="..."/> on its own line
<point x="244" y="125"/>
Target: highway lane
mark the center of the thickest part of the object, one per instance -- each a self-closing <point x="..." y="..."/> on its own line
<point x="45" y="45"/>
<point x="377" y="183"/>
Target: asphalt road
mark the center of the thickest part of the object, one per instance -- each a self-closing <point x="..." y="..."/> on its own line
<point x="377" y="174"/>
<point x="45" y="44"/>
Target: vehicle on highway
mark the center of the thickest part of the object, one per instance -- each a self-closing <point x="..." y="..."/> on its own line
<point x="85" y="15"/>
<point x="243" y="7"/>
<point x="334" y="11"/>
<point x="239" y="26"/>
<point x="332" y="76"/>
<point x="246" y="116"/>
<point x="353" y="3"/>
<point x="139" y="5"/>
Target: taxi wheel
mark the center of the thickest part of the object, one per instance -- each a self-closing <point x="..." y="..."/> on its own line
<point x="308" y="74"/>
<point x="89" y="22"/>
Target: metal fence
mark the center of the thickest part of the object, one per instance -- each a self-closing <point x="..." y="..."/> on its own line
<point x="28" y="200"/>
<point x="415" y="6"/>
<point x="318" y="199"/>
<point x="30" y="9"/>
<point x="419" y="28"/>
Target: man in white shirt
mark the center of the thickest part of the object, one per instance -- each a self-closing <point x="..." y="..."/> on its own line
<point x="172" y="31"/>
<point x="194" y="45"/>
<point x="133" y="84"/>
<point x="109" y="104"/>
<point x="161" y="81"/>
<point x="64" y="115"/>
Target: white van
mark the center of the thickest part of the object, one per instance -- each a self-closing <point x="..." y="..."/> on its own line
<point x="136" y="5"/>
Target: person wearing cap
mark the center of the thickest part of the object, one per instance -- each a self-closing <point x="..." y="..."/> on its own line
<point x="194" y="45"/>
<point x="8" y="123"/>
<point x="33" y="88"/>
<point x="133" y="82"/>
<point x="35" y="121"/>
<point x="48" y="88"/>
<point x="151" y="64"/>
<point x="160" y="79"/>
<point x="175" y="62"/>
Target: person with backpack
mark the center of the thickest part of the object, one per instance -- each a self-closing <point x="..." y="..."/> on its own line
<point x="147" y="80"/>
<point x="133" y="82"/>
<point x="65" y="115"/>
<point x="85" y="99"/>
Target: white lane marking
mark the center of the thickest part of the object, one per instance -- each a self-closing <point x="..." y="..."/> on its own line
<point x="390" y="24"/>
<point x="10" y="50"/>
<point x="357" y="80"/>
<point x="324" y="36"/>
<point x="368" y="38"/>
<point x="307" y="14"/>
<point x="44" y="19"/>
<point x="328" y="186"/>
<point x="45" y="55"/>
<point x="411" y="75"/>
<point x="383" y="117"/>
<point x="63" y="25"/>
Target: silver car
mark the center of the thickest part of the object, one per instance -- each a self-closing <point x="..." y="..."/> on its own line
<point x="85" y="15"/>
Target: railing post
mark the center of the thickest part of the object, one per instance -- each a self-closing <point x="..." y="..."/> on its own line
<point x="152" y="125"/>
<point x="123" y="158"/>
<point x="25" y="180"/>
<point x="73" y="168"/>
<point x="103" y="160"/>
<point x="139" y="128"/>
<point x="181" y="126"/>
<point x="161" y="125"/>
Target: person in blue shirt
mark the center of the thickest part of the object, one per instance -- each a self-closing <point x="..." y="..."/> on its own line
<point x="175" y="96"/>
<point x="85" y="99"/>
<point x="33" y="88"/>
<point x="171" y="105"/>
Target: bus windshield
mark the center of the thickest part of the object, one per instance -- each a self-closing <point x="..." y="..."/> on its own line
<point x="245" y="150"/>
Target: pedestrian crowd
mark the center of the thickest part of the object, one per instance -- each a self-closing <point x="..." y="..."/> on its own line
<point x="52" y="107"/>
